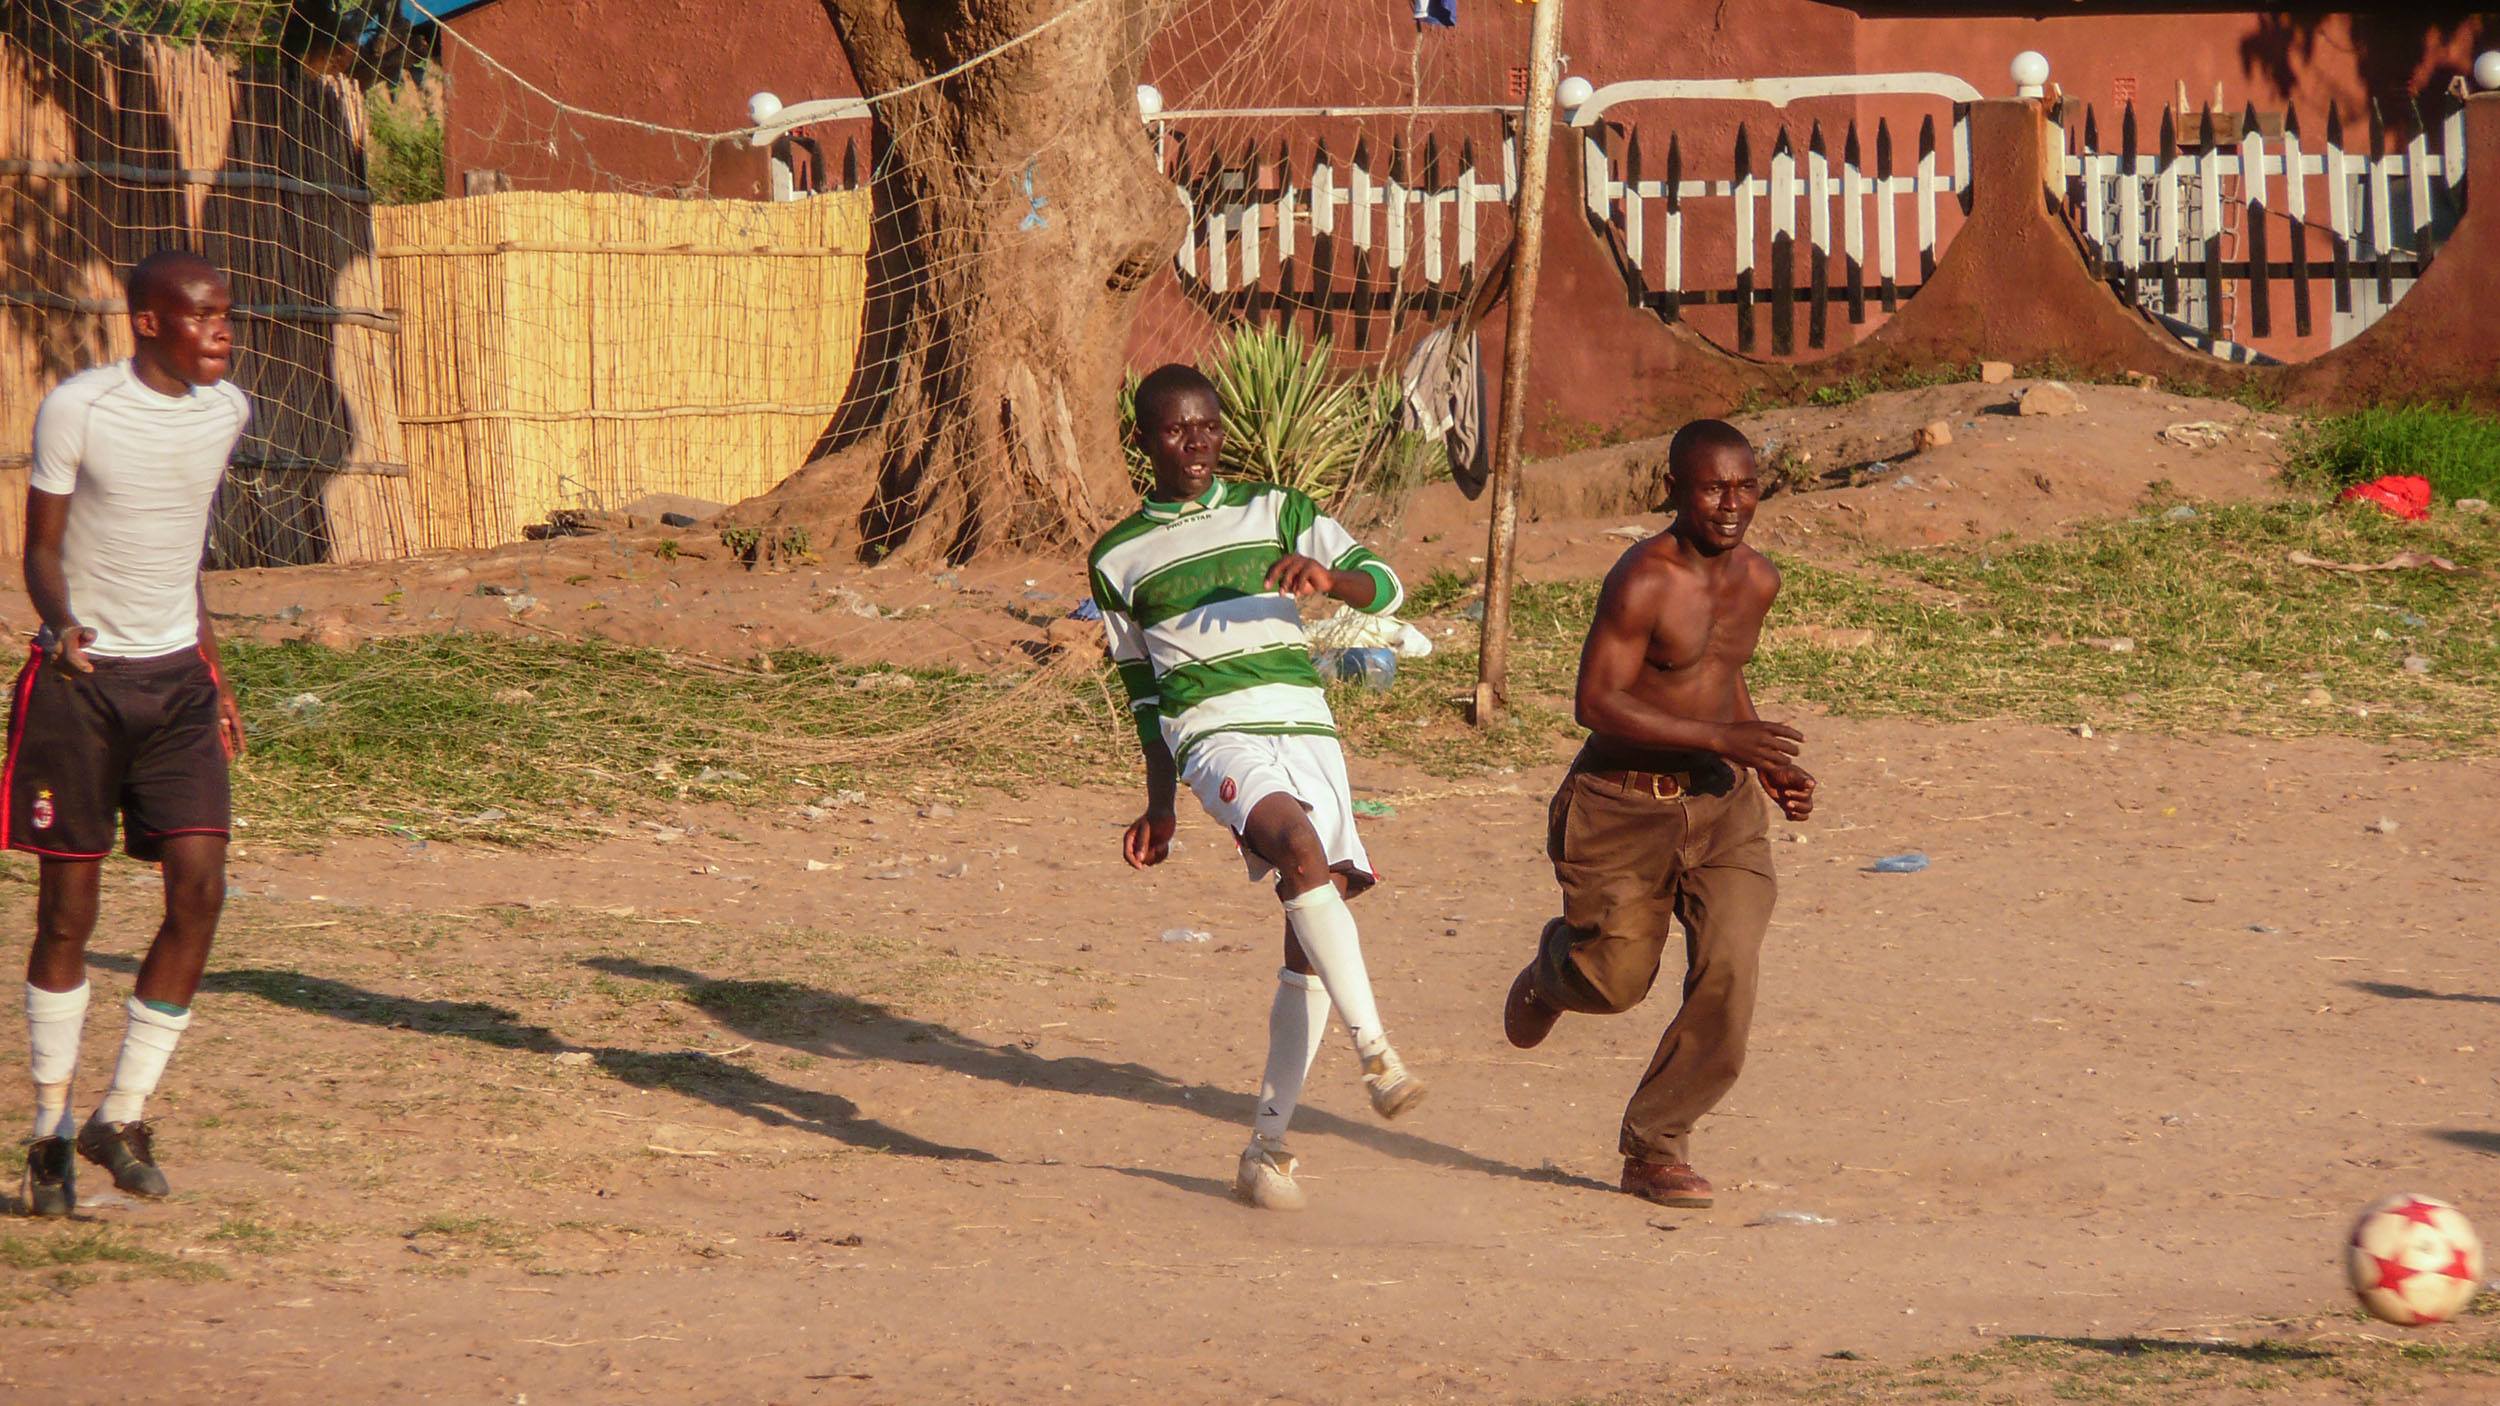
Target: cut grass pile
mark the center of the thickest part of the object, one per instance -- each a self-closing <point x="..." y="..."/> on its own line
<point x="509" y="739"/>
<point x="2178" y="625"/>
<point x="503" y="739"/>
<point x="59" y="1257"/>
<point x="2220" y="631"/>
<point x="2457" y="450"/>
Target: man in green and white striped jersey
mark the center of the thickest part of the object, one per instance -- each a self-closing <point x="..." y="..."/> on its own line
<point x="1197" y="590"/>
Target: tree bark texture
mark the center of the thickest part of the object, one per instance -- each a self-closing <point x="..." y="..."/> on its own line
<point x="1018" y="210"/>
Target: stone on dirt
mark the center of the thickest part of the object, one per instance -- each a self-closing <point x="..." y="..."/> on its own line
<point x="2049" y="398"/>
<point x="850" y="602"/>
<point x="330" y="631"/>
<point x="1067" y="632"/>
<point x="2196" y="434"/>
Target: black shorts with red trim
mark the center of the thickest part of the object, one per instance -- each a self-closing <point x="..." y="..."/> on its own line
<point x="136" y="740"/>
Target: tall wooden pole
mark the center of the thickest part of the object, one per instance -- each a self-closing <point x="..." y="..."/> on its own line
<point x="1527" y="250"/>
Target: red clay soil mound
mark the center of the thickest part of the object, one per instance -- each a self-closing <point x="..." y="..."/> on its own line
<point x="1854" y="475"/>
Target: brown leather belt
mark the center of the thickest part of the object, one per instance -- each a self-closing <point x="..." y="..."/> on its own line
<point x="1666" y="786"/>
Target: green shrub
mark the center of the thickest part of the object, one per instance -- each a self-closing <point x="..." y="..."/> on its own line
<point x="1141" y="473"/>
<point x="1290" y="419"/>
<point x="251" y="28"/>
<point x="1287" y="419"/>
<point x="403" y="143"/>
<point x="2458" y="450"/>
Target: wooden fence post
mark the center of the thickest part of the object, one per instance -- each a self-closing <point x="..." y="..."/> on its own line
<point x="1528" y="240"/>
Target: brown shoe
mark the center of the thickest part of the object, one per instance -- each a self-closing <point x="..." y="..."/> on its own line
<point x="1666" y="1183"/>
<point x="1526" y="1019"/>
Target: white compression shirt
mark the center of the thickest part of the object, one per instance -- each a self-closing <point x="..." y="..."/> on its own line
<point x="140" y="470"/>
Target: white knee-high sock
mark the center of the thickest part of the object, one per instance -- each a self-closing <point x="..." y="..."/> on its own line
<point x="1325" y="928"/>
<point x="1296" y="1023"/>
<point x="146" y="1046"/>
<point x="54" y="1022"/>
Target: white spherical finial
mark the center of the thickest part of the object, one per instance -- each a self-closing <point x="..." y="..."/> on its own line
<point x="2031" y="74"/>
<point x="762" y="107"/>
<point x="2487" y="71"/>
<point x="1149" y="100"/>
<point x="1573" y="91"/>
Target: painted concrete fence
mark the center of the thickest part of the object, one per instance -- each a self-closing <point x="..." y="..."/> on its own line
<point x="2227" y="212"/>
<point x="2019" y="284"/>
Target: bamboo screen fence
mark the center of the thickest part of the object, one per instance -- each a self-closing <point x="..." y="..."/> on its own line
<point x="579" y="350"/>
<point x="111" y="150"/>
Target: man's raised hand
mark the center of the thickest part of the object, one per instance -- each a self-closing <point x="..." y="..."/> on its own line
<point x="1148" y="841"/>
<point x="1790" y="788"/>
<point x="1760" y="745"/>
<point x="69" y="650"/>
<point x="229" y="723"/>
<point x="1298" y="575"/>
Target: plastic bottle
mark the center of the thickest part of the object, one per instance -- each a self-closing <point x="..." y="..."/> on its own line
<point x="1372" y="666"/>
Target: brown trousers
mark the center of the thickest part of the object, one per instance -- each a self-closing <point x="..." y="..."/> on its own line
<point x="1632" y="850"/>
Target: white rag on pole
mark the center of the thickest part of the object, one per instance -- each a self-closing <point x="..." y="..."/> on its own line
<point x="1443" y="385"/>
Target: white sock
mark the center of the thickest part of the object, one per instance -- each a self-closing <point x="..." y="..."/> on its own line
<point x="54" y="1022"/>
<point x="1296" y="1023"/>
<point x="1325" y="928"/>
<point x="146" y="1046"/>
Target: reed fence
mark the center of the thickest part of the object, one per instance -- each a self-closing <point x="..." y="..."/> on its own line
<point x="111" y="151"/>
<point x="565" y="350"/>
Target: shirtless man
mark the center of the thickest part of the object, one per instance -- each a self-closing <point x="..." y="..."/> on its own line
<point x="1658" y="820"/>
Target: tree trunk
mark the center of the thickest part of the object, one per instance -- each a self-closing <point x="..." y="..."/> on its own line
<point x="1018" y="210"/>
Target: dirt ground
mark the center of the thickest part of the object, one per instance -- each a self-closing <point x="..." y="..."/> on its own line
<point x="910" y="1102"/>
<point x="893" y="1108"/>
<point x="683" y="590"/>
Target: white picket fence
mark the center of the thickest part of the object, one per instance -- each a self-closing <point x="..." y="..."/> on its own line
<point x="1837" y="207"/>
<point x="2184" y="230"/>
<point x="1255" y="212"/>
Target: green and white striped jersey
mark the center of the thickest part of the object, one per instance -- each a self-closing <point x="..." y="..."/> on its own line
<point x="1202" y="644"/>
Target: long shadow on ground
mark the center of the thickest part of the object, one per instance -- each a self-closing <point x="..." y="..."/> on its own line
<point x="690" y="1072"/>
<point x="2397" y="992"/>
<point x="2175" y="1347"/>
<point x="802" y="1018"/>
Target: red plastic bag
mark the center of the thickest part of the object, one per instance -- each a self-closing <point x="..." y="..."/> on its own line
<point x="2407" y="496"/>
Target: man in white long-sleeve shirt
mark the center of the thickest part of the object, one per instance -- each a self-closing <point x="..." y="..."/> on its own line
<point x="121" y="718"/>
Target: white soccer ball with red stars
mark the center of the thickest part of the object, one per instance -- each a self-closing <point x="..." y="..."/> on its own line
<point x="2414" y="1260"/>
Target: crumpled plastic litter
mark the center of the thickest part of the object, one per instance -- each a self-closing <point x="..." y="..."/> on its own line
<point x="1353" y="629"/>
<point x="2406" y="496"/>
